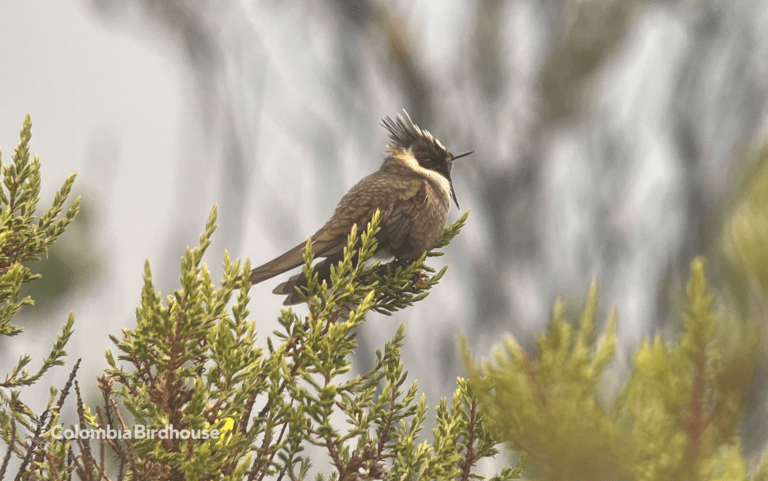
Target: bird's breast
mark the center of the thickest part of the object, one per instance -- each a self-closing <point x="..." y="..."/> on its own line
<point x="428" y="222"/>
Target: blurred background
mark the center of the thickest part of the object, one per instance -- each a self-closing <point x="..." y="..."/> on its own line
<point x="611" y="139"/>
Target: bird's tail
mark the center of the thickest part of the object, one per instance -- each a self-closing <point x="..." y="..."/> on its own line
<point x="289" y="260"/>
<point x="288" y="288"/>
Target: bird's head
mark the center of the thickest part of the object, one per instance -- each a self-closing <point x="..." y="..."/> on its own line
<point x="407" y="138"/>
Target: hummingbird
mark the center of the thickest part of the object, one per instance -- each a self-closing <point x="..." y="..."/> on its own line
<point x="412" y="190"/>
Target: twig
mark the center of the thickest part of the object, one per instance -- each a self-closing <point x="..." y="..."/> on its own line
<point x="7" y="457"/>
<point x="128" y="442"/>
<point x="65" y="391"/>
<point x="35" y="442"/>
<point x="85" y="445"/>
<point x="469" y="457"/>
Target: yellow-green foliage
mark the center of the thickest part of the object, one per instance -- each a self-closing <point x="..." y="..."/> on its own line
<point x="747" y="228"/>
<point x="193" y="362"/>
<point x="676" y="419"/>
<point x="24" y="238"/>
<point x="684" y="400"/>
<point x="547" y="405"/>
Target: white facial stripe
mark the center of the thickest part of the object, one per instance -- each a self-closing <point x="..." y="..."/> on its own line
<point x="431" y="174"/>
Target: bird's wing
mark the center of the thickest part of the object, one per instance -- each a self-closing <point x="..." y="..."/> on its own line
<point x="397" y="222"/>
<point x="398" y="201"/>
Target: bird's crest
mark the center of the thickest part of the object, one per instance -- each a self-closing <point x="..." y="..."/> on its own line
<point x="403" y="133"/>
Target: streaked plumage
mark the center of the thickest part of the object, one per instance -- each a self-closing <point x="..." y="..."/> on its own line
<point x="413" y="191"/>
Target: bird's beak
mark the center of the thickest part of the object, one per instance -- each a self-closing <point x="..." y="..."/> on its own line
<point x="463" y="155"/>
<point x="453" y="193"/>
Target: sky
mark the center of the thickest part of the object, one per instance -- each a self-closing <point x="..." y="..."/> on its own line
<point x="108" y="107"/>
